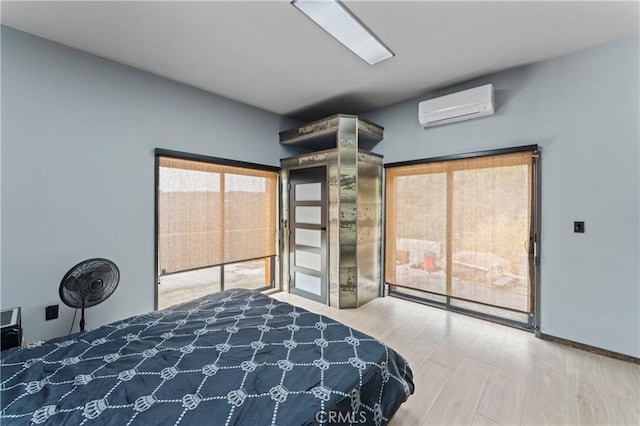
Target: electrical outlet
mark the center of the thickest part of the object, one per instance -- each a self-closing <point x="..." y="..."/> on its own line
<point x="578" y="227"/>
<point x="51" y="312"/>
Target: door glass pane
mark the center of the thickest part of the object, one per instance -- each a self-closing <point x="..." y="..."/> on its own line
<point x="309" y="237"/>
<point x="309" y="214"/>
<point x="490" y="235"/>
<point x="308" y="283"/>
<point x="309" y="191"/>
<point x="421" y="224"/>
<point x="308" y="260"/>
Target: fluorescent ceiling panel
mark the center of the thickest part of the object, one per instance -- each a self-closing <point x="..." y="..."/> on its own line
<point x="332" y="17"/>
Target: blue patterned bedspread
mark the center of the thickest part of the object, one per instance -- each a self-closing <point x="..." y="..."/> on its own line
<point x="232" y="358"/>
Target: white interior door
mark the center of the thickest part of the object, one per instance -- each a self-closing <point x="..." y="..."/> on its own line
<point x="308" y="237"/>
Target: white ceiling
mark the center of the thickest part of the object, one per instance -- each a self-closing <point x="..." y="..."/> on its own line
<point x="267" y="54"/>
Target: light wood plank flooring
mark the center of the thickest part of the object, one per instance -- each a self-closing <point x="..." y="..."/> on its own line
<point x="472" y="372"/>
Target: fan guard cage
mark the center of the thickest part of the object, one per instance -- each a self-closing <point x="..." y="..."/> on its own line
<point x="89" y="283"/>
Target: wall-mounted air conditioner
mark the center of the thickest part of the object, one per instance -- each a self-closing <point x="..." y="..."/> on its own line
<point x="464" y="105"/>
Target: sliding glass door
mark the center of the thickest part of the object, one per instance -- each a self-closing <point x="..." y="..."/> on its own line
<point x="461" y="233"/>
<point x="216" y="226"/>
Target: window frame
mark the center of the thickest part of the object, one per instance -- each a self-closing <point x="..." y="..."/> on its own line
<point x="180" y="155"/>
<point x="533" y="321"/>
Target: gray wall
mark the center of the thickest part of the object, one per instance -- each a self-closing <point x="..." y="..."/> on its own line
<point x="78" y="134"/>
<point x="583" y="111"/>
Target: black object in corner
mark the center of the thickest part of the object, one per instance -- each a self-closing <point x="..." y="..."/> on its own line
<point x="11" y="328"/>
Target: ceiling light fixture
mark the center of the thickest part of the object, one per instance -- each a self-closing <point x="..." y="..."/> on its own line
<point x="335" y="19"/>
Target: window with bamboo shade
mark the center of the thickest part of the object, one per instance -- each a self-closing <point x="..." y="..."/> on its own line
<point x="213" y="214"/>
<point x="461" y="228"/>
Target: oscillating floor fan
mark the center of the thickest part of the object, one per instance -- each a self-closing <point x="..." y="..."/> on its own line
<point x="89" y="283"/>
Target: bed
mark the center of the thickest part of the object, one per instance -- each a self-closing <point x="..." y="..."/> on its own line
<point x="235" y="357"/>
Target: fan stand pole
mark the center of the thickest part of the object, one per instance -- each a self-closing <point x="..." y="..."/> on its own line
<point x="82" y="317"/>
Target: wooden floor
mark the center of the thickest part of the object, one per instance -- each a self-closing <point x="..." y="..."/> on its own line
<point x="472" y="372"/>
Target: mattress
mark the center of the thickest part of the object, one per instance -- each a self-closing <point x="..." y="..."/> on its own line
<point x="235" y="357"/>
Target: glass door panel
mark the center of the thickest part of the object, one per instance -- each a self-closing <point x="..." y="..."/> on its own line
<point x="460" y="231"/>
<point x="308" y="284"/>
<point x="421" y="232"/>
<point x="308" y="237"/>
<point x="490" y="236"/>
<point x="308" y="214"/>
